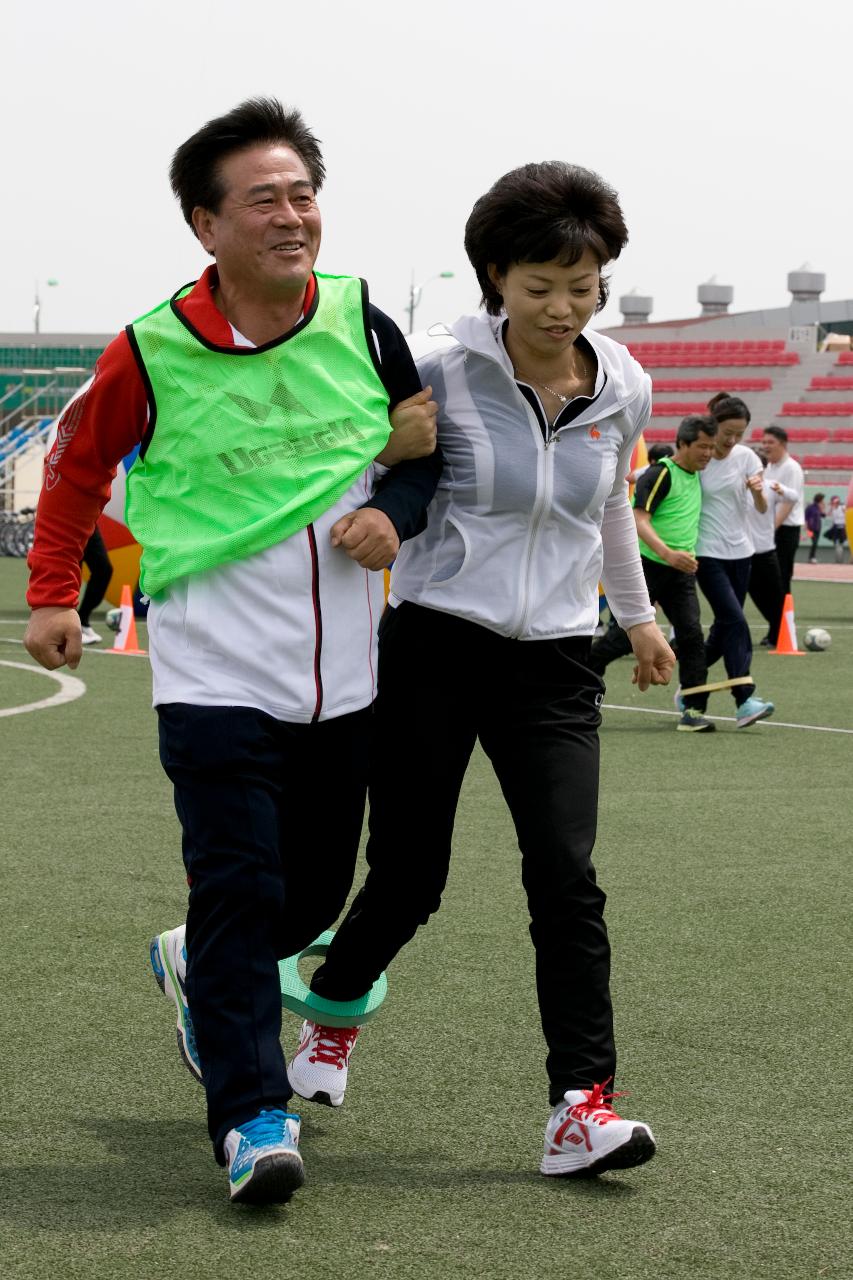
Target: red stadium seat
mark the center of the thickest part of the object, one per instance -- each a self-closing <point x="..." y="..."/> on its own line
<point x="826" y="409"/>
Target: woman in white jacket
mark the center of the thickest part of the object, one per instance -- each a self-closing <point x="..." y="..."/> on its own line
<point x="488" y="635"/>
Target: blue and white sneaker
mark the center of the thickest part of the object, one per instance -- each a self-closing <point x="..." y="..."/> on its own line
<point x="169" y="962"/>
<point x="264" y="1164"/>
<point x="753" y="709"/>
<point x="678" y="700"/>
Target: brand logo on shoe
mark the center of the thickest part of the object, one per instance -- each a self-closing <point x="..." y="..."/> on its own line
<point x="576" y="1139"/>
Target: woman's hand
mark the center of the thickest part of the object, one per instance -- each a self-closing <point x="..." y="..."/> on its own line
<point x="655" y="659"/>
<point x="412" y="429"/>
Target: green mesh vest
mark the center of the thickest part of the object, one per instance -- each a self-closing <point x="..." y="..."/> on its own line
<point x="248" y="446"/>
<point x="676" y="520"/>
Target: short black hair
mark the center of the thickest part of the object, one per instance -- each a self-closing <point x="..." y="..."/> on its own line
<point x="658" y="451"/>
<point x="723" y="406"/>
<point x="194" y="171"/>
<point x="694" y="425"/>
<point x="778" y="433"/>
<point x="545" y="212"/>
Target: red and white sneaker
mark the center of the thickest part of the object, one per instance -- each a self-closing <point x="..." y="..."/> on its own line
<point x="586" y="1136"/>
<point x="319" y="1068"/>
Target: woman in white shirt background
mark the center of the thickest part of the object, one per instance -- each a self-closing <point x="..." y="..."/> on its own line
<point x="731" y="483"/>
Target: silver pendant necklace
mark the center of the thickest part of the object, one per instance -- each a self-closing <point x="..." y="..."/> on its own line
<point x="544" y="385"/>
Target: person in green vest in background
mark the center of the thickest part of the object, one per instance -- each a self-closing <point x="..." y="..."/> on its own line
<point x="667" y="505"/>
<point x="286" y="449"/>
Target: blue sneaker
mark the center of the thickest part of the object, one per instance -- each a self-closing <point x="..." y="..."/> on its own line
<point x="753" y="709"/>
<point x="169" y="960"/>
<point x="678" y="700"/>
<point x="264" y="1164"/>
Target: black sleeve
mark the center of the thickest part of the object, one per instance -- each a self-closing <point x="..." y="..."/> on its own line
<point x="652" y="487"/>
<point x="396" y="363"/>
<point x="406" y="491"/>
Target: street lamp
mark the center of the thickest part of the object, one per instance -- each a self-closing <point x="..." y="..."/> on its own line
<point x="37" y="303"/>
<point x="415" y="291"/>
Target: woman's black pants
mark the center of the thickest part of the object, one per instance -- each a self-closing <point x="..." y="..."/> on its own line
<point x="444" y="683"/>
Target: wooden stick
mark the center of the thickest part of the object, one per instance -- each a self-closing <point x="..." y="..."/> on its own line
<point x="720" y="684"/>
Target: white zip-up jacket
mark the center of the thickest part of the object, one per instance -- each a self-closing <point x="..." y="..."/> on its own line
<point x="520" y="531"/>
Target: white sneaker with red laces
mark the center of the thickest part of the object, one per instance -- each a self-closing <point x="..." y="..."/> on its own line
<point x="319" y="1068"/>
<point x="585" y="1136"/>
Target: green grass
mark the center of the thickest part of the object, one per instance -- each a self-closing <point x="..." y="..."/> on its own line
<point x="726" y="858"/>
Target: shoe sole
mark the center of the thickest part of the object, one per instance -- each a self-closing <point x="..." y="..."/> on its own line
<point x="638" y="1149"/>
<point x="161" y="967"/>
<point x="761" y="715"/>
<point x="273" y="1180"/>
<point x="320" y="1097"/>
<point x="696" y="728"/>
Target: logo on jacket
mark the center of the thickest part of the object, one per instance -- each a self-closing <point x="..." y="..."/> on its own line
<point x="594" y="433"/>
<point x="340" y="433"/>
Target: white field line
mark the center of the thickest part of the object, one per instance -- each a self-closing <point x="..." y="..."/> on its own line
<point x="89" y="648"/>
<point x="770" y="723"/>
<point x="70" y="688"/>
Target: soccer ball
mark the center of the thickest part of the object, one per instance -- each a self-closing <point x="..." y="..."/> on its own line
<point x="817" y="639"/>
<point x="113" y="619"/>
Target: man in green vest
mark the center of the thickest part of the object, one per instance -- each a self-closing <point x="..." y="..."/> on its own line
<point x="667" y="504"/>
<point x="284" y="450"/>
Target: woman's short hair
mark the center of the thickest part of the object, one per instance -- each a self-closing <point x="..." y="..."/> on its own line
<point x="194" y="172"/>
<point x="694" y="425"/>
<point x="546" y="212"/>
<point x="723" y="406"/>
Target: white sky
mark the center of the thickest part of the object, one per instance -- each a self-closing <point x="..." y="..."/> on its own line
<point x="725" y="126"/>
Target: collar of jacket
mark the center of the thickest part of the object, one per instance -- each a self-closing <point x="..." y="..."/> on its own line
<point x="480" y="334"/>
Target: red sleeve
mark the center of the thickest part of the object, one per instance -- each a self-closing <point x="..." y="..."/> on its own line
<point x="97" y="429"/>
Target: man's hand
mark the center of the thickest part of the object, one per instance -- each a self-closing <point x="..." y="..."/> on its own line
<point x="655" y="659"/>
<point x="412" y="429"/>
<point x="53" y="637"/>
<point x="367" y="536"/>
<point x="683" y="561"/>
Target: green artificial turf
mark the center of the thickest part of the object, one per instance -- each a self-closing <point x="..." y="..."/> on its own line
<point x="726" y="861"/>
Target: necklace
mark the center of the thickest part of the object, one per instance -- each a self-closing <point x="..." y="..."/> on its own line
<point x="558" y="395"/>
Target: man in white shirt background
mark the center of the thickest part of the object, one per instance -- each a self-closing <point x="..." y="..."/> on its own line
<point x="787" y="471"/>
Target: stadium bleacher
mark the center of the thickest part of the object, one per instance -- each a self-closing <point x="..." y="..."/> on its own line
<point x="733" y="354"/>
<point x="817" y="409"/>
<point x="831" y="384"/>
<point x="715" y="384"/>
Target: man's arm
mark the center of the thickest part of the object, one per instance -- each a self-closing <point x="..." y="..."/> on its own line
<point x="397" y="510"/>
<point x="681" y="560"/>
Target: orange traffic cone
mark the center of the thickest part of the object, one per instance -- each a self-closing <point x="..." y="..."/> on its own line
<point x="787" y="641"/>
<point x="126" y="641"/>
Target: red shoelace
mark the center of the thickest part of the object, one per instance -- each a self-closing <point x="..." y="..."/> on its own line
<point x="597" y="1107"/>
<point x="332" y="1045"/>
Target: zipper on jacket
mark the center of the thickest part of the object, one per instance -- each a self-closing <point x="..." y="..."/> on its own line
<point x="318" y="622"/>
<point x="541" y="506"/>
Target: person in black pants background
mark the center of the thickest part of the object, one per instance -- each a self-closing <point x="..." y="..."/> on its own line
<point x="667" y="505"/>
<point x="97" y="561"/>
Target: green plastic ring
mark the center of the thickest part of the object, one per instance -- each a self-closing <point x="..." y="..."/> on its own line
<point x="301" y="1000"/>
